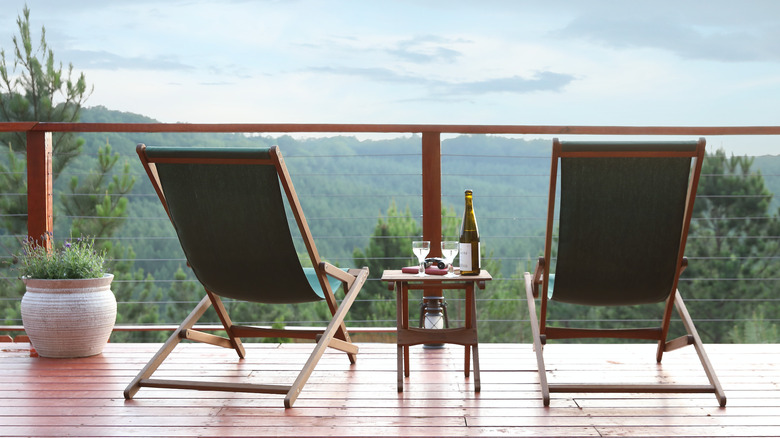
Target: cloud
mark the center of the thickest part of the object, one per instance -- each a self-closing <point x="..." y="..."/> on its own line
<point x="104" y="60"/>
<point x="373" y="74"/>
<point x="542" y="81"/>
<point x="425" y="49"/>
<point x="685" y="39"/>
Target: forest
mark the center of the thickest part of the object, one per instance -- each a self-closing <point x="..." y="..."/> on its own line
<point x="362" y="199"/>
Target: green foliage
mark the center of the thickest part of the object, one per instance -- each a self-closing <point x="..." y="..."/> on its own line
<point x="729" y="256"/>
<point x="40" y="91"/>
<point x="756" y="330"/>
<point x="499" y="311"/>
<point x="154" y="286"/>
<point x="343" y="182"/>
<point x="136" y="296"/>
<point x="13" y="184"/>
<point x="390" y="247"/>
<point x="75" y="259"/>
<point x="36" y="88"/>
<point x="98" y="205"/>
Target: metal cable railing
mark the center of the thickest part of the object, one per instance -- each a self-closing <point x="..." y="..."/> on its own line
<point x="512" y="236"/>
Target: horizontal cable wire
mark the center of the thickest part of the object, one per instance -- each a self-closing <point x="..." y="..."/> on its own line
<point x="391" y="322"/>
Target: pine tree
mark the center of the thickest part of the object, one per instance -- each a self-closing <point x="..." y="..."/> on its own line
<point x="96" y="203"/>
<point x="390" y="247"/>
<point x="731" y="252"/>
<point x="40" y="92"/>
<point x="36" y="88"/>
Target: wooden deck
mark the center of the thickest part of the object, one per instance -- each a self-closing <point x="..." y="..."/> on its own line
<point x="83" y="397"/>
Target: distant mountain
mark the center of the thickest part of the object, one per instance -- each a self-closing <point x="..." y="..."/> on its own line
<point x="101" y="114"/>
<point x="345" y="183"/>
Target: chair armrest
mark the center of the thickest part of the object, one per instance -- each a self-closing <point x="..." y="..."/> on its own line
<point x="347" y="277"/>
<point x="538" y="275"/>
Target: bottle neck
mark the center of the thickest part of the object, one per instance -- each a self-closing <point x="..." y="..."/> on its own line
<point x="469" y="224"/>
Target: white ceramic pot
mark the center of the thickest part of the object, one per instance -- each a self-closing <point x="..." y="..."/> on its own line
<point x="69" y="318"/>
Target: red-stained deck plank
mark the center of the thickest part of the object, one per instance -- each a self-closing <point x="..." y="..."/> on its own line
<point x="83" y="397"/>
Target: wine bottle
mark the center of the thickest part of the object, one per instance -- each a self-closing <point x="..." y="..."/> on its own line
<point x="469" y="250"/>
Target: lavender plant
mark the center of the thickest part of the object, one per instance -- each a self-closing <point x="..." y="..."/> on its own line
<point x="74" y="259"/>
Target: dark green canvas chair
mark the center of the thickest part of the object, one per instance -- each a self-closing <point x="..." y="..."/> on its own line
<point x="227" y="207"/>
<point x="623" y="219"/>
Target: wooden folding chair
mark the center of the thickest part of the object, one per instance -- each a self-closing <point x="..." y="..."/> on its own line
<point x="229" y="214"/>
<point x="624" y="214"/>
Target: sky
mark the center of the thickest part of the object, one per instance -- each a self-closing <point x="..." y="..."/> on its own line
<point x="546" y="62"/>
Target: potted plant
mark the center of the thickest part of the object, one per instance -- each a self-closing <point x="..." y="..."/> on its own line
<point x="68" y="309"/>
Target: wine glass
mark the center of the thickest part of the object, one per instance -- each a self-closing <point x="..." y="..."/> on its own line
<point x="421" y="248"/>
<point x="449" y="249"/>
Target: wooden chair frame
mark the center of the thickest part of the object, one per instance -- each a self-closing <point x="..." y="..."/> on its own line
<point x="537" y="284"/>
<point x="335" y="335"/>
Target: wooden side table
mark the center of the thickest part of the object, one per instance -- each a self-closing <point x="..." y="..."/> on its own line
<point x="407" y="336"/>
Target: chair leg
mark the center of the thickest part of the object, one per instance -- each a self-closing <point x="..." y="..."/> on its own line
<point x="665" y="323"/>
<point x="698" y="345"/>
<point x="341" y="331"/>
<point x="219" y="307"/>
<point x="336" y="323"/>
<point x="537" y="340"/>
<point x="343" y="334"/>
<point x="328" y="337"/>
<point x="167" y="348"/>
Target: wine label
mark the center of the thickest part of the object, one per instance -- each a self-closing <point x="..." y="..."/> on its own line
<point x="464" y="252"/>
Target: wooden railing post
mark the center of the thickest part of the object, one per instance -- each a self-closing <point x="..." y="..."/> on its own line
<point x="431" y="211"/>
<point x="40" y="215"/>
<point x="431" y="190"/>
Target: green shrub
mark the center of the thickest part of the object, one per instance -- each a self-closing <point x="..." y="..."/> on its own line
<point x="75" y="259"/>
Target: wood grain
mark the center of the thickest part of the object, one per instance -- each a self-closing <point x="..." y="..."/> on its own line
<point x="83" y="397"/>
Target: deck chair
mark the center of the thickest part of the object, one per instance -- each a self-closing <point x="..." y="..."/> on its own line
<point x="624" y="214"/>
<point x="229" y="214"/>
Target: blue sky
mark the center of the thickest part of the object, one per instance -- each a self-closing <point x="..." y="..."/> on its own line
<point x="472" y="62"/>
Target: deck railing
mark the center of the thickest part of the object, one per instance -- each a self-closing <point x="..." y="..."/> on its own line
<point x="40" y="195"/>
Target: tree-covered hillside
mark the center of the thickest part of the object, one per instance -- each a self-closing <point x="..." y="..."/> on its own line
<point x="358" y="194"/>
<point x="344" y="183"/>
